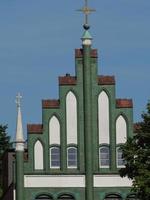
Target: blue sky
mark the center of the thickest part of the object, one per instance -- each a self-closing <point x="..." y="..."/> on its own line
<point x="37" y="42"/>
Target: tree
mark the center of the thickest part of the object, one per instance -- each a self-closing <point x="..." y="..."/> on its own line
<point x="136" y="152"/>
<point x="4" y="145"/>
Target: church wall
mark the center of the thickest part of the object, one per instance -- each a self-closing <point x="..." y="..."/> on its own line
<point x="59" y="111"/>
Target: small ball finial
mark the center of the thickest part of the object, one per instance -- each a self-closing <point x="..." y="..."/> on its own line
<point x="86" y="26"/>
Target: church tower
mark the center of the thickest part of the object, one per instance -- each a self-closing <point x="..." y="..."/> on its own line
<point x="74" y="154"/>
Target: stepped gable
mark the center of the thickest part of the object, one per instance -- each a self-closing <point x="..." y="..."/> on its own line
<point x="106" y="80"/>
<point x="124" y="103"/>
<point x="50" y="103"/>
<point x="35" y="128"/>
<point x="67" y="80"/>
<point x="79" y="53"/>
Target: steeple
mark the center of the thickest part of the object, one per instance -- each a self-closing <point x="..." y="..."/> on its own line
<point x="19" y="129"/>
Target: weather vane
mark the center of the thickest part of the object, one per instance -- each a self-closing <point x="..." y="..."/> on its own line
<point x="18" y="99"/>
<point x="86" y="11"/>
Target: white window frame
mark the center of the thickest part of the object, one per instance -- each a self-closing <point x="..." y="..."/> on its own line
<point x="51" y="166"/>
<point x="104" y="166"/>
<point x="72" y="166"/>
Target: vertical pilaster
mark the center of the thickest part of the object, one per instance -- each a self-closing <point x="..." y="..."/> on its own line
<point x="19" y="176"/>
<point x="87" y="114"/>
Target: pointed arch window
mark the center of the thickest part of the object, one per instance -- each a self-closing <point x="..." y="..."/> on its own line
<point x="54" y="131"/>
<point x="66" y="197"/>
<point x="55" y="157"/>
<point x="121" y="130"/>
<point x="113" y="197"/>
<point x="38" y="156"/>
<point x="104" y="157"/>
<point x="72" y="157"/>
<point x="103" y="118"/>
<point x="71" y="118"/>
<point x="120" y="160"/>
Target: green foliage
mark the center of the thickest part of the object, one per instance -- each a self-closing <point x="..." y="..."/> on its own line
<point x="4" y="140"/>
<point x="4" y="145"/>
<point x="136" y="152"/>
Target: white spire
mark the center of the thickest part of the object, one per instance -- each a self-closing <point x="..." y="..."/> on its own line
<point x="19" y="129"/>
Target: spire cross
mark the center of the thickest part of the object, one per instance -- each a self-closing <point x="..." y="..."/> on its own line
<point x="18" y="99"/>
<point x="86" y="11"/>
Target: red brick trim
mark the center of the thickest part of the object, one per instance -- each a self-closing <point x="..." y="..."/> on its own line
<point x="106" y="80"/>
<point x="67" y="80"/>
<point x="79" y="53"/>
<point x="50" y="103"/>
<point x="35" y="128"/>
<point x="124" y="103"/>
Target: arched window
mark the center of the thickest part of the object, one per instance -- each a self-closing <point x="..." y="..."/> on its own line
<point x="44" y="197"/>
<point x="55" y="157"/>
<point x="113" y="197"/>
<point x="54" y="131"/>
<point x="72" y="157"/>
<point x="66" y="197"/>
<point x="103" y="118"/>
<point x="121" y="130"/>
<point x="71" y="118"/>
<point x="120" y="160"/>
<point x="104" y="157"/>
<point x="131" y="197"/>
<point x="38" y="155"/>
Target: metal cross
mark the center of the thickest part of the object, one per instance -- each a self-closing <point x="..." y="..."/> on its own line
<point x="86" y="11"/>
<point x="18" y="99"/>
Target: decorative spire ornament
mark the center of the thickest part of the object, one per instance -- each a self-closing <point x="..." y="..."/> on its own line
<point x="86" y="11"/>
<point x="19" y="128"/>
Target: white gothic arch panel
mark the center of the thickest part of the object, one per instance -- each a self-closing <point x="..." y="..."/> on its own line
<point x="71" y="118"/>
<point x="103" y="118"/>
<point x="38" y="155"/>
<point x="54" y="131"/>
<point x="121" y="130"/>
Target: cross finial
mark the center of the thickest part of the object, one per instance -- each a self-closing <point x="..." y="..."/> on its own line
<point x="18" y="99"/>
<point x="86" y="11"/>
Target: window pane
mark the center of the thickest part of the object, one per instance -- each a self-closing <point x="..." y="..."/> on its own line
<point x="104" y="157"/>
<point x="120" y="160"/>
<point x="72" y="150"/>
<point x="104" y="162"/>
<point x="72" y="157"/>
<point x="55" y="157"/>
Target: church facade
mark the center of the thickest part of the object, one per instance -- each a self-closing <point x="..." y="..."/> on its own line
<point x="74" y="153"/>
